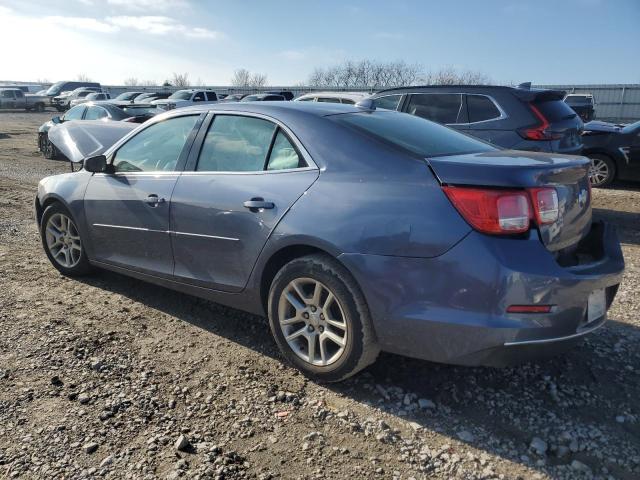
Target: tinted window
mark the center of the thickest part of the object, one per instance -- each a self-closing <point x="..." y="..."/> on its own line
<point x="75" y="113"/>
<point x="236" y="144"/>
<point x="198" y="97"/>
<point x="307" y="99"/>
<point x="181" y="95"/>
<point x="438" y="107"/>
<point x="578" y="99"/>
<point x="7" y="94"/>
<point x="83" y="94"/>
<point x="481" y="108"/>
<point x="348" y="102"/>
<point x="283" y="155"/>
<point x="211" y="96"/>
<point x="95" y="113"/>
<point x="390" y="102"/>
<point x="328" y="100"/>
<point x="156" y="148"/>
<point x="419" y="136"/>
<point x="19" y="94"/>
<point x="555" y="110"/>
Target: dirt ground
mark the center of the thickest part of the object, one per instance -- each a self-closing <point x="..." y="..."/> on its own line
<point x="106" y="376"/>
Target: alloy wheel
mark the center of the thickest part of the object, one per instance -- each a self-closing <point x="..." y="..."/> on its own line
<point x="598" y="172"/>
<point x="63" y="240"/>
<point x="313" y="322"/>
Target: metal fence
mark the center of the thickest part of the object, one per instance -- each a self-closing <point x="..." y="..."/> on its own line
<point x="613" y="103"/>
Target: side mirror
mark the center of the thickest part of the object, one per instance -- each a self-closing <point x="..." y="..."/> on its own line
<point x="56" y="119"/>
<point x="97" y="164"/>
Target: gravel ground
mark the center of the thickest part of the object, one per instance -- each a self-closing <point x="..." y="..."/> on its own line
<point x="107" y="376"/>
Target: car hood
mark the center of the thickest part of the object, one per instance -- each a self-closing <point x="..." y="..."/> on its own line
<point x="45" y="127"/>
<point x="598" y="126"/>
<point x="78" y="140"/>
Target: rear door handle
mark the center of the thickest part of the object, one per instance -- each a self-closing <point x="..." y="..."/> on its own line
<point x="153" y="200"/>
<point x="258" y="203"/>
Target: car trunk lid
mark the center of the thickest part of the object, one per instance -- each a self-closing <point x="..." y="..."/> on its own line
<point x="504" y="169"/>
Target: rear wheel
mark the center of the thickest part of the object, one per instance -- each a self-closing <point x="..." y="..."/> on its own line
<point x="320" y="320"/>
<point x="61" y="241"/>
<point x="602" y="170"/>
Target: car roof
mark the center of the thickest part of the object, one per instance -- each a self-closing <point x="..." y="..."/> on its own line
<point x="274" y="108"/>
<point x="347" y="95"/>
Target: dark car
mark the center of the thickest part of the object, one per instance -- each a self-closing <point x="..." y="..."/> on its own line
<point x="458" y="252"/>
<point x="128" y="96"/>
<point x="517" y="118"/>
<point x="150" y="96"/>
<point x="582" y="104"/>
<point x="287" y="94"/>
<point x="235" y="97"/>
<point x="68" y="86"/>
<point x="104" y="110"/>
<point x="263" y="97"/>
<point x="614" y="151"/>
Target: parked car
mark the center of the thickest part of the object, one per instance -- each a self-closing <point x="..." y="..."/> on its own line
<point x="151" y="96"/>
<point x="128" y="96"/>
<point x="287" y="94"/>
<point x="184" y="98"/>
<point x="63" y="102"/>
<point x="92" y="97"/>
<point x="235" y="97"/>
<point x="37" y="89"/>
<point x="15" y="98"/>
<point x="263" y="97"/>
<point x="583" y="104"/>
<point x="518" y="118"/>
<point x="355" y="230"/>
<point x="66" y="86"/>
<point x="614" y="151"/>
<point x="350" y="98"/>
<point x="104" y="110"/>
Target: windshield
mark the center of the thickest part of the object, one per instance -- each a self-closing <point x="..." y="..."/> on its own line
<point x="126" y="96"/>
<point x="138" y="111"/>
<point x="55" y="88"/>
<point x="181" y="95"/>
<point x="250" y="98"/>
<point x="419" y="136"/>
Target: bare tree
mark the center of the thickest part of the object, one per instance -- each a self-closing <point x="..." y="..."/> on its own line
<point x="131" y="82"/>
<point x="258" y="80"/>
<point x="451" y="76"/>
<point x="179" y="79"/>
<point x="365" y="74"/>
<point x="83" y="77"/>
<point x="241" y="78"/>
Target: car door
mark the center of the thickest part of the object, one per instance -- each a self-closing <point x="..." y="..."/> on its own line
<point x="20" y="101"/>
<point x="248" y="173"/>
<point x="8" y="99"/>
<point x="128" y="210"/>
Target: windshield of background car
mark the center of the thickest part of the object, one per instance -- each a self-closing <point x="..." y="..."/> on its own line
<point x="181" y="95"/>
<point x="55" y="88"/>
<point x="415" y="134"/>
<point x="139" y="111"/>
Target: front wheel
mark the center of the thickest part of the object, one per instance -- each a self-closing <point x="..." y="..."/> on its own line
<point x="61" y="241"/>
<point x="602" y="170"/>
<point x="320" y="320"/>
<point x="50" y="150"/>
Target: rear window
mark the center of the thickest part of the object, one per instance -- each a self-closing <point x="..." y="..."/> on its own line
<point x="555" y="110"/>
<point x="578" y="99"/>
<point x="419" y="136"/>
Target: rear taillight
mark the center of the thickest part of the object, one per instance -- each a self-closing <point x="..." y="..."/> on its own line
<point x="500" y="212"/>
<point x="540" y="131"/>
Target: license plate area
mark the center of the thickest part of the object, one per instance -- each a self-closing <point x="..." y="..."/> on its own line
<point x="597" y="305"/>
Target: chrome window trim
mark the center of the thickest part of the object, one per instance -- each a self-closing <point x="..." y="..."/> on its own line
<point x="502" y="115"/>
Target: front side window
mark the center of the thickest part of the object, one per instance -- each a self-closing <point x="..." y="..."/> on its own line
<point x="156" y="148"/>
<point x="481" y="108"/>
<point x="236" y="144"/>
<point x="95" y="113"/>
<point x="7" y="94"/>
<point x="283" y="156"/>
<point x="438" y="107"/>
<point x="390" y="102"/>
<point x="75" y="113"/>
<point x="19" y="94"/>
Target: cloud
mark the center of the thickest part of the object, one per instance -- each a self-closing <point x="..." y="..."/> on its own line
<point x="148" y="5"/>
<point x="292" y="55"/>
<point x="159" y="25"/>
<point x="82" y="23"/>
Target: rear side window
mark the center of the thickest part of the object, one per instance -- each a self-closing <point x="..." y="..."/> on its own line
<point x="328" y="100"/>
<point x="348" y="101"/>
<point x="390" y="102"/>
<point x="198" y="97"/>
<point x="283" y="156"/>
<point x="211" y="96"/>
<point x="555" y="110"/>
<point x="419" y="136"/>
<point x="438" y="107"/>
<point x="19" y="94"/>
<point x="481" y="108"/>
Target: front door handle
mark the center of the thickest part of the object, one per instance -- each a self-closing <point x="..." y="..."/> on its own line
<point x="153" y="200"/>
<point x="258" y="203"/>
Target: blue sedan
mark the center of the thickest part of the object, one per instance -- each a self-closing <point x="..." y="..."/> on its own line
<point x="354" y="230"/>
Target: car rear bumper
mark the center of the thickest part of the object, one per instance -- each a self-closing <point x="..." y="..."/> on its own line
<point x="452" y="308"/>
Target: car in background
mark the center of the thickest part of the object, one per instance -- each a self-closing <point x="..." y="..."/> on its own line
<point x="148" y="97"/>
<point x="287" y="94"/>
<point x="63" y="102"/>
<point x="128" y="96"/>
<point x="459" y="252"/>
<point x="520" y="118"/>
<point x="583" y="104"/>
<point x="235" y="97"/>
<point x="104" y="110"/>
<point x="14" y="98"/>
<point x="92" y="97"/>
<point x="68" y="86"/>
<point x="185" y="98"/>
<point x="350" y="98"/>
<point x="34" y="89"/>
<point x="263" y="97"/>
<point x="614" y="151"/>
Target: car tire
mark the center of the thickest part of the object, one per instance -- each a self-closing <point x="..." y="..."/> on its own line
<point x="602" y="170"/>
<point x="329" y="334"/>
<point x="61" y="241"/>
<point x="50" y="150"/>
<point x="40" y="107"/>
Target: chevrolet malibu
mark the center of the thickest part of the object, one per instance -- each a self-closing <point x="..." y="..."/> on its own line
<point x="354" y="230"/>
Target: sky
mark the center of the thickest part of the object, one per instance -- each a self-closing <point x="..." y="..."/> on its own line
<point x="510" y="41"/>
